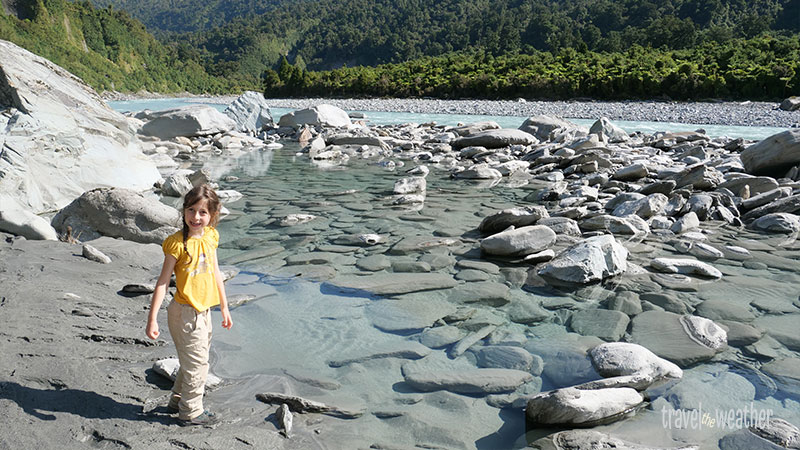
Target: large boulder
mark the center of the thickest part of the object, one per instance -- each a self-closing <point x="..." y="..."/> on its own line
<point x="590" y="260"/>
<point x="495" y="139"/>
<point x="571" y="406"/>
<point x="519" y="241"/>
<point x="188" y="121"/>
<point x="118" y="213"/>
<point x="517" y="217"/>
<point x="321" y="115"/>
<point x="543" y="126"/>
<point x="790" y="103"/>
<point x="250" y="112"/>
<point x="773" y="155"/>
<point x="59" y="138"/>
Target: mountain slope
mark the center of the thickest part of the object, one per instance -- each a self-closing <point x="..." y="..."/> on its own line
<point x="107" y="49"/>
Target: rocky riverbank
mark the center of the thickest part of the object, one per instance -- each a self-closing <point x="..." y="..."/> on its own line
<point x="478" y="285"/>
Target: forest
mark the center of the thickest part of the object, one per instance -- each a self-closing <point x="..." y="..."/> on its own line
<point x="604" y="49"/>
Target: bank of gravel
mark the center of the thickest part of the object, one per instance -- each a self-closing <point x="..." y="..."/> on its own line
<point x="756" y="114"/>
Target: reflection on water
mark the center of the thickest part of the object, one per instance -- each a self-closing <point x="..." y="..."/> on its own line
<point x="250" y="163"/>
<point x="297" y="327"/>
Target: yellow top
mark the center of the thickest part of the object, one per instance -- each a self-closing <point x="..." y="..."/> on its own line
<point x="195" y="279"/>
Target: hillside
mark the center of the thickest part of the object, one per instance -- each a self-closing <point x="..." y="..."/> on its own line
<point x="107" y="49"/>
<point x="326" y="34"/>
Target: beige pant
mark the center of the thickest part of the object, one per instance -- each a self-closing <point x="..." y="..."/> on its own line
<point x="191" y="332"/>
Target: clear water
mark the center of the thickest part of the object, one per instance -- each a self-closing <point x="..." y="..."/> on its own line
<point x="392" y="118"/>
<point x="285" y="338"/>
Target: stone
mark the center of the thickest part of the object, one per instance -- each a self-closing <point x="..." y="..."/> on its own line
<point x="169" y="367"/>
<point x="495" y="139"/>
<point x="685" y="266"/>
<point x="250" y="112"/>
<point x="474" y="128"/>
<point x="645" y="208"/>
<point x="516" y="217"/>
<point x="469" y="340"/>
<point x="615" y="359"/>
<point x="118" y="212"/>
<point x="504" y="357"/>
<point x="778" y="431"/>
<point x="790" y="103"/>
<point x="664" y="334"/>
<point x="590" y="260"/>
<point x="442" y="336"/>
<point x="773" y="155"/>
<point x="570" y="406"/>
<point x="755" y="185"/>
<point x="94" y="254"/>
<point x="401" y="349"/>
<point x="687" y="222"/>
<point x="627" y="302"/>
<point x="414" y="244"/>
<point x="777" y="223"/>
<point x="410" y="185"/>
<point x="407" y="314"/>
<point x="480" y="171"/>
<point x="740" y="334"/>
<point x="667" y="300"/>
<point x="18" y="220"/>
<point x="394" y="283"/>
<point x="591" y="439"/>
<point x="783" y="328"/>
<point x="606" y="324"/>
<point x="544" y="126"/>
<point x="189" y="121"/>
<point x="631" y="224"/>
<point x="320" y="115"/>
<point x="474" y="381"/>
<point x="613" y="133"/>
<point x="725" y="309"/>
<point x="561" y="225"/>
<point x="699" y="177"/>
<point x="527" y="311"/>
<point x="786" y="371"/>
<point x="519" y="241"/>
<point x="374" y="263"/>
<point x="60" y="138"/>
<point x="177" y="184"/>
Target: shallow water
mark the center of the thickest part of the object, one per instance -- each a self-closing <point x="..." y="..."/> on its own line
<point x="393" y="118"/>
<point x="286" y="337"/>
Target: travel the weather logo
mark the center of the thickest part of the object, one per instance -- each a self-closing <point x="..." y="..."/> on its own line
<point x="730" y="419"/>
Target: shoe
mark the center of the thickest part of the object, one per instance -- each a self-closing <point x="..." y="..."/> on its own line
<point x="205" y="419"/>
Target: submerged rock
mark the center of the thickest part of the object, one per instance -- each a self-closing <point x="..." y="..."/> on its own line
<point x="591" y="439"/>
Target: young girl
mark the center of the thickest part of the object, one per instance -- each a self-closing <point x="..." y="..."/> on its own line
<point x="191" y="254"/>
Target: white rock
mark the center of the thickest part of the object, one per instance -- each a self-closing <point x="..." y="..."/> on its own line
<point x="321" y="115"/>
<point x="16" y="219"/>
<point x="189" y="121"/>
<point x="685" y="266"/>
<point x="169" y="367"/>
<point x="250" y="111"/>
<point x="519" y="241"/>
<point x="590" y="260"/>
<point x="94" y="254"/>
<point x="570" y="406"/>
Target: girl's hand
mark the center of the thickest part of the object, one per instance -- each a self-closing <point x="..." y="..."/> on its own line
<point x="152" y="330"/>
<point x="227" y="322"/>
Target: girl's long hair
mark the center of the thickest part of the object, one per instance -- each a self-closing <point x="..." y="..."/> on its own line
<point x="198" y="193"/>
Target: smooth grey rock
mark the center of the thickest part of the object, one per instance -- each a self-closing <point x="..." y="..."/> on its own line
<point x="543" y="126"/>
<point x="407" y="314"/>
<point x="519" y="241"/>
<point x="604" y="127"/>
<point x="606" y="324"/>
<point x="765" y="198"/>
<point x="614" y="359"/>
<point x="774" y="154"/>
<point x="361" y="240"/>
<point x="475" y="128"/>
<point x="412" y="267"/>
<point x="563" y="226"/>
<point x="777" y="223"/>
<point x="704" y="251"/>
<point x="740" y="334"/>
<point x="320" y="115"/>
<point x="480" y="171"/>
<point x="176" y="184"/>
<point x="374" y="263"/>
<point x="484" y="292"/>
<point x="645" y="208"/>
<point x="18" y="220"/>
<point x="591" y="439"/>
<point x="169" y="367"/>
<point x="118" y="212"/>
<point x="94" y="254"/>
<point x="627" y="302"/>
<point x="778" y="431"/>
<point x="699" y="177"/>
<point x="495" y="139"/>
<point x="401" y="349"/>
<point x="443" y="336"/>
<point x="570" y="406"/>
<point x="475" y="381"/>
<point x="189" y="121"/>
<point x="469" y="340"/>
<point x="664" y="334"/>
<point x="504" y="357"/>
<point x="668" y="300"/>
<point x="630" y="173"/>
<point x="687" y="222"/>
<point x="471" y="275"/>
<point x="786" y="371"/>
<point x="527" y="312"/>
<point x="60" y="138"/>
<point x="250" y="112"/>
<point x="782" y="328"/>
<point x="593" y="259"/>
<point x="483" y="266"/>
<point x="790" y="103"/>
<point x="630" y="224"/>
<point x="705" y="332"/>
<point x="744" y="439"/>
<point x="517" y="217"/>
<point x="295" y="219"/>
<point x="725" y="309"/>
<point x="755" y="185"/>
<point x="685" y="266"/>
<point x="394" y="283"/>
